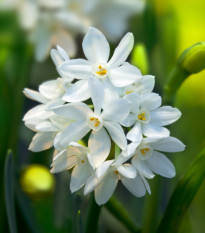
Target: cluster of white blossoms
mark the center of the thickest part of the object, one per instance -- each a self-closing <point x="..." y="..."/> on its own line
<point x="108" y="104"/>
<point x="51" y="22"/>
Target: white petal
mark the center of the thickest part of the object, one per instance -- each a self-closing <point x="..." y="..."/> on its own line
<point x="76" y="68"/>
<point x="66" y="41"/>
<point x="97" y="93"/>
<point x="56" y="57"/>
<point x="51" y="89"/>
<point x="46" y="126"/>
<point x="64" y="164"/>
<point x="74" y="111"/>
<point x="146" y="84"/>
<point x="161" y="165"/>
<point x="95" y="46"/>
<point x="151" y="130"/>
<point x="151" y="101"/>
<point x="146" y="184"/>
<point x="73" y="133"/>
<point x="169" y="144"/>
<point x="117" y="134"/>
<point x="43" y="41"/>
<point x="165" y="115"/>
<point x="92" y="182"/>
<point x="79" y="91"/>
<point x="131" y="148"/>
<point x="129" y="121"/>
<point x="105" y="189"/>
<point x="38" y="112"/>
<point x="122" y="51"/>
<point x="103" y="168"/>
<point x="34" y="95"/>
<point x="127" y="170"/>
<point x="123" y="76"/>
<point x="142" y="167"/>
<point x="116" y="110"/>
<point x="99" y="146"/>
<point x="63" y="53"/>
<point x="42" y="141"/>
<point x="135" y="186"/>
<point x="135" y="134"/>
<point x="79" y="176"/>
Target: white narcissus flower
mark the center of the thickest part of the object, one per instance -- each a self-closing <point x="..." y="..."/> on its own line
<point x="148" y="160"/>
<point x="112" y="74"/>
<point x="109" y="173"/>
<point x="148" y="117"/>
<point x="121" y="96"/>
<point x="60" y="21"/>
<point x="74" y="156"/>
<point x="142" y="86"/>
<point x="86" y="120"/>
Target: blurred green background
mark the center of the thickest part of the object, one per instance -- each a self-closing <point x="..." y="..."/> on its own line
<point x="162" y="30"/>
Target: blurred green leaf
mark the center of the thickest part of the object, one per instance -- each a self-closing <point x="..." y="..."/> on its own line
<point x="9" y="192"/>
<point x="140" y="58"/>
<point x="80" y="224"/>
<point x="93" y="216"/>
<point x="27" y="212"/>
<point x="183" y="195"/>
<point x="118" y="210"/>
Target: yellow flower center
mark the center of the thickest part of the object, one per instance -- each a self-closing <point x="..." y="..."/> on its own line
<point x="142" y="117"/>
<point x="144" y="150"/>
<point x="116" y="172"/>
<point x="95" y="120"/>
<point x="128" y="92"/>
<point x="101" y="71"/>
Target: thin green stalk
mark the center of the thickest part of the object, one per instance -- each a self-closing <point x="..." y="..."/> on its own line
<point x="93" y="216"/>
<point x="122" y="215"/>
<point x="151" y="212"/>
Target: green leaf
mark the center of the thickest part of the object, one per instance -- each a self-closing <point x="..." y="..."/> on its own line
<point x="27" y="213"/>
<point x="93" y="216"/>
<point x="80" y="228"/>
<point x="116" y="208"/>
<point x="9" y="192"/>
<point x="183" y="195"/>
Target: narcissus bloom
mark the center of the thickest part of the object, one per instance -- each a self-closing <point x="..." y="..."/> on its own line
<point x="122" y="122"/>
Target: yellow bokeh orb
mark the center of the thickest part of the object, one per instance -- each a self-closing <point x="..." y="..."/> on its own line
<point x="37" y="181"/>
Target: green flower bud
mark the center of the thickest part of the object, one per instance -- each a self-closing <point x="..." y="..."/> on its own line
<point x="190" y="62"/>
<point x="37" y="181"/>
<point x="140" y="58"/>
<point x="193" y="59"/>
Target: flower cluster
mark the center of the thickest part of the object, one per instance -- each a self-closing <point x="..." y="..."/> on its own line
<point x="110" y="105"/>
<point x="59" y="21"/>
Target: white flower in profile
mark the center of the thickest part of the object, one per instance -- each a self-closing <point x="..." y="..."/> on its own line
<point x="85" y="120"/>
<point x="144" y="85"/>
<point x="148" y="160"/>
<point x="74" y="156"/>
<point x="47" y="130"/>
<point x="112" y="74"/>
<point x="112" y="171"/>
<point x="148" y="117"/>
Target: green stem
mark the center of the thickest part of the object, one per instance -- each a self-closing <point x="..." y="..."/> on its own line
<point x="122" y="215"/>
<point x="150" y="217"/>
<point x="175" y="79"/>
<point x="93" y="217"/>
